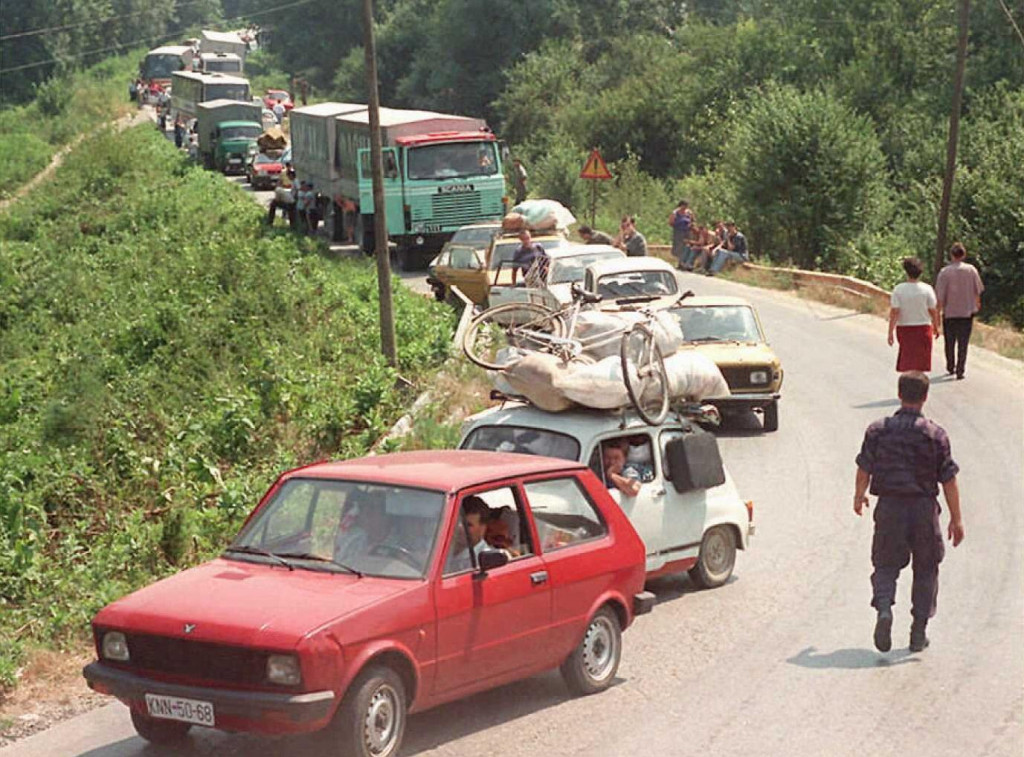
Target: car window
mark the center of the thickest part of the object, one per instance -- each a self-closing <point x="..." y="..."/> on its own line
<point x="526" y="441"/>
<point x="373" y="528"/>
<point x="442" y="259"/>
<point x="718" y="323"/>
<point x="476" y="237"/>
<point x="563" y="513"/>
<point x="504" y="251"/>
<point x="573" y="268"/>
<point x="464" y="257"/>
<point x="493" y="519"/>
<point x="637" y="283"/>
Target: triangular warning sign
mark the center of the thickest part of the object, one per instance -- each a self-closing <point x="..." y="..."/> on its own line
<point x="595" y="167"/>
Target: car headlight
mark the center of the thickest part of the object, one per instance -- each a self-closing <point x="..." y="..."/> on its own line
<point x="284" y="669"/>
<point x="759" y="377"/>
<point x="115" y="646"/>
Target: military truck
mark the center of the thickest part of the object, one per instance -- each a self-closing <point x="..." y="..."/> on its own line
<point x="227" y="130"/>
<point x="223" y="42"/>
<point x="220" y="63"/>
<point x="312" y="136"/>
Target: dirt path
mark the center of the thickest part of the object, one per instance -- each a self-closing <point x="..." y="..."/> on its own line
<point x="145" y="113"/>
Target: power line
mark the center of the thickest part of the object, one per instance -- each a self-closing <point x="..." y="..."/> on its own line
<point x="48" y="30"/>
<point x="145" y="39"/>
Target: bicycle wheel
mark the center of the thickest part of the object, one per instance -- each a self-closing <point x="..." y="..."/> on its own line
<point x="523" y="325"/>
<point x="643" y="371"/>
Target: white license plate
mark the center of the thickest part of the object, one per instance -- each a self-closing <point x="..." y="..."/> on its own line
<point x="234" y="160"/>
<point x="176" y="708"/>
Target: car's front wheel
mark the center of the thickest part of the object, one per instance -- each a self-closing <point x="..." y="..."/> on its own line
<point x="157" y="731"/>
<point x="371" y="719"/>
<point x="592" y="665"/>
<point x="717" y="557"/>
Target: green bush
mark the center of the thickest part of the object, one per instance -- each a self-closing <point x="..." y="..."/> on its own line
<point x="162" y="360"/>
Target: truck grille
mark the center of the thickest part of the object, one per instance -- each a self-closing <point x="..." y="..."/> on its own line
<point x="738" y="377"/>
<point x="198" y="659"/>
<point x="454" y="209"/>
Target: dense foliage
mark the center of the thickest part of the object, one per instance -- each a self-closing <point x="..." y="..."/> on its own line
<point x="679" y="97"/>
<point x="162" y="359"/>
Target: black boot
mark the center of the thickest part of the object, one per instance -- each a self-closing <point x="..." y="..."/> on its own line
<point x="918" y="640"/>
<point x="883" y="629"/>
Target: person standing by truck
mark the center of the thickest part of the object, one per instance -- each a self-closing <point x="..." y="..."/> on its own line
<point x="519" y="177"/>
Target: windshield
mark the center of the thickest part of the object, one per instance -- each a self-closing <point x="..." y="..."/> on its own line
<point x="223" y="66"/>
<point x="477" y="237"/>
<point x="633" y="283"/>
<point x="718" y="323"/>
<point x="161" y="66"/>
<point x="454" y="160"/>
<point x="574" y="268"/>
<point x="279" y="96"/>
<point x="227" y="92"/>
<point x="262" y="160"/>
<point x="504" y="251"/>
<point x="525" y="441"/>
<point x="344" y="526"/>
<point x="240" y="132"/>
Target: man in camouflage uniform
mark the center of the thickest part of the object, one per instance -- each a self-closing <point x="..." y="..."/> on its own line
<point x="904" y="458"/>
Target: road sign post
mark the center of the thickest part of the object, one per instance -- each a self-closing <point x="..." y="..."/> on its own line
<point x="594" y="170"/>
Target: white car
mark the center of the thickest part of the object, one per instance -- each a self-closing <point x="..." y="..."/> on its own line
<point x="569" y="264"/>
<point x="687" y="512"/>
<point x="627" y="278"/>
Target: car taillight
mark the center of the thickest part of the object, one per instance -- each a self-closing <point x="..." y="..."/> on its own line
<point x="750" y="510"/>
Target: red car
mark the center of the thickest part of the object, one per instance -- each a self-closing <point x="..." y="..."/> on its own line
<point x="274" y="96"/>
<point x="359" y="591"/>
<point x="263" y="171"/>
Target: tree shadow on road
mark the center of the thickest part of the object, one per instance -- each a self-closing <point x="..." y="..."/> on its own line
<point x="850" y="659"/>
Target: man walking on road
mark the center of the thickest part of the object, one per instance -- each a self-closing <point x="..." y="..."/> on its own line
<point x="904" y="458"/>
<point x="958" y="289"/>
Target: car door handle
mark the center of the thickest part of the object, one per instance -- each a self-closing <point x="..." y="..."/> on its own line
<point x="541" y="576"/>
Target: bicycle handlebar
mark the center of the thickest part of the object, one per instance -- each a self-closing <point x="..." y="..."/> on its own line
<point x="580" y="294"/>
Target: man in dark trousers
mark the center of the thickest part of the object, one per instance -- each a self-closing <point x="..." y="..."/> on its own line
<point x="958" y="290"/>
<point x="905" y="458"/>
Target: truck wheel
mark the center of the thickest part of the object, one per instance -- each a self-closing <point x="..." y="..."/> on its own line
<point x="771" y="416"/>
<point x="157" y="731"/>
<point x="371" y="719"/>
<point x="717" y="558"/>
<point x="592" y="665"/>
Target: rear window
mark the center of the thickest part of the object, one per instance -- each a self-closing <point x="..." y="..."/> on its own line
<point x="525" y="441"/>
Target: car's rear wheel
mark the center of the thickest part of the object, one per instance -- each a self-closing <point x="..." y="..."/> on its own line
<point x="771" y="416"/>
<point x="717" y="557"/>
<point x="371" y="719"/>
<point x="157" y="731"/>
<point x="592" y="665"/>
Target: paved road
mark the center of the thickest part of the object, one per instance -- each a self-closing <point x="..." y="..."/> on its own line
<point x="779" y="661"/>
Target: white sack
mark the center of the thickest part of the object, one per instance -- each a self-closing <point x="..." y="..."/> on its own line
<point x="667" y="333"/>
<point x="601" y="331"/>
<point x="545" y="214"/>
<point x="535" y="377"/>
<point x="598" y="386"/>
<point x="693" y="376"/>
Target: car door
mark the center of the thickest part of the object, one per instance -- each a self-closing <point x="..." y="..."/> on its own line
<point x="574" y="539"/>
<point x="490" y="625"/>
<point x="685" y="513"/>
<point x="467" y="272"/>
<point x="646" y="511"/>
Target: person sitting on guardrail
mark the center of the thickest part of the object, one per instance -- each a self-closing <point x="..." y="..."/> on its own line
<point x="734" y="251"/>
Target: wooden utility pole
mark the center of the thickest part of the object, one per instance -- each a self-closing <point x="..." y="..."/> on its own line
<point x="380" y="223"/>
<point x="954" y="135"/>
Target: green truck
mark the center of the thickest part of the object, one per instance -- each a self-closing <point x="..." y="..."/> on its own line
<point x="227" y="130"/>
<point x="441" y="172"/>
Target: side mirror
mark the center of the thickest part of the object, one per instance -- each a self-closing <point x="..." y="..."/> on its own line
<point x="694" y="462"/>
<point x="492" y="558"/>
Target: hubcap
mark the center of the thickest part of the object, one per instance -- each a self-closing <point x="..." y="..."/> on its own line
<point x="717" y="552"/>
<point x="382" y="722"/>
<point x="599" y="649"/>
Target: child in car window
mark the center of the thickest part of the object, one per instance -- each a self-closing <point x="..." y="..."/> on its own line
<point x="639" y="461"/>
<point x="613" y="457"/>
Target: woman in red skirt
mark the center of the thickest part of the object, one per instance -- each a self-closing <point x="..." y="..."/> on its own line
<point x="914" y="319"/>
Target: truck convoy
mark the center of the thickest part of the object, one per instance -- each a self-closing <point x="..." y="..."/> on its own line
<point x="440" y="172"/>
<point x="160" y="64"/>
<point x="227" y="130"/>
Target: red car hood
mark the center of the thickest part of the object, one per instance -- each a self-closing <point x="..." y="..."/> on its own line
<point x="247" y="604"/>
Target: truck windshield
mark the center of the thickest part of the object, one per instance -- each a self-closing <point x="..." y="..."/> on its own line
<point x="227" y="92"/>
<point x="345" y="526"/>
<point x="526" y="441"/>
<point x="240" y="132"/>
<point x="161" y="66"/>
<point x="223" y="66"/>
<point x="453" y="161"/>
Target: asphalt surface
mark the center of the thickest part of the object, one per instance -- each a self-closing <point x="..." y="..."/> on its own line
<point x="780" y="660"/>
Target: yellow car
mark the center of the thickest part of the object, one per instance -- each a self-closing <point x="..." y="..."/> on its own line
<point x="474" y="270"/>
<point x="728" y="331"/>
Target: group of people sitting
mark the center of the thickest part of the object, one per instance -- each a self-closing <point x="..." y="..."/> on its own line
<point x="629" y="239"/>
<point x="710" y="248"/>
